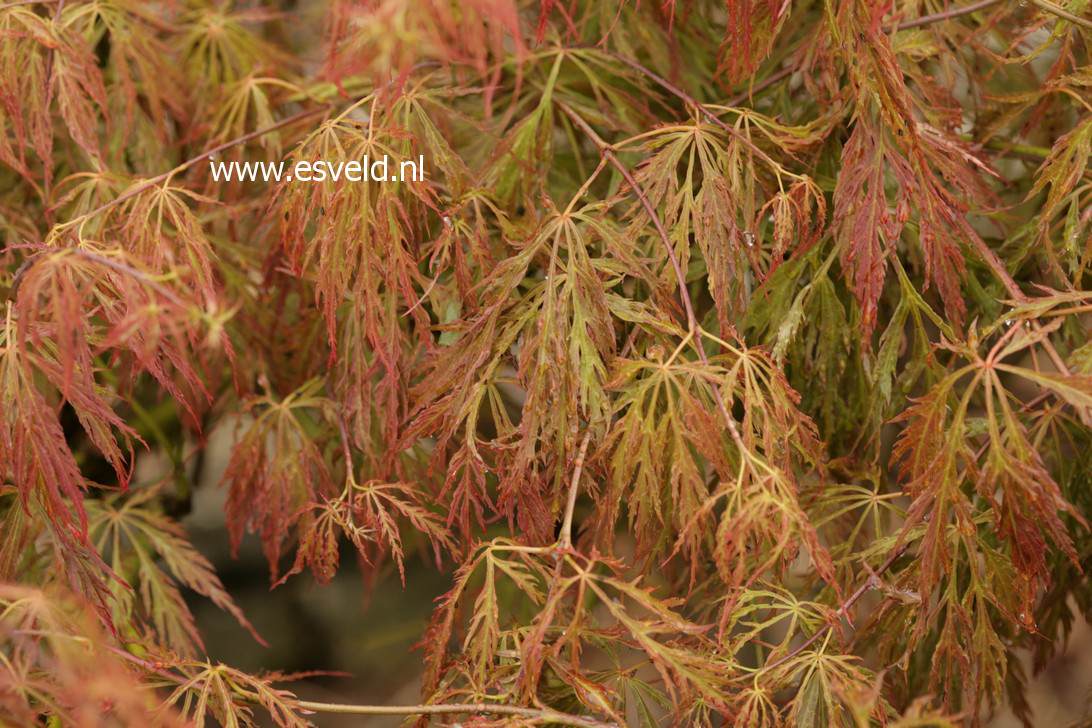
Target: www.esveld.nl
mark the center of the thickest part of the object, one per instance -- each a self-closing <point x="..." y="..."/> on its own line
<point x="320" y="171"/>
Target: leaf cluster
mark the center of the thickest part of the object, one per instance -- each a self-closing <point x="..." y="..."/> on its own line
<point x="731" y="360"/>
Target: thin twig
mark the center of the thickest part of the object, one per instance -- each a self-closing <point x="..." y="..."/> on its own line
<point x="565" y="540"/>
<point x="470" y="708"/>
<point x="899" y="551"/>
<point x="1018" y="295"/>
<point x="698" y="106"/>
<point x="853" y="599"/>
<point x="788" y="71"/>
<point x="250" y="136"/>
<point x="161" y="669"/>
<point x="988" y="256"/>
<point x="943" y="15"/>
<point x="607" y="151"/>
<point x="96" y="258"/>
<point x="1053" y="9"/>
<point x="760" y="86"/>
<point x="684" y="295"/>
<point x="1010" y="148"/>
<point x="200" y="157"/>
<point x="1066" y="311"/>
<point x="17" y="3"/>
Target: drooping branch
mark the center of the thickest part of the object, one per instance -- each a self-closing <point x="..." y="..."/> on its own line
<point x="784" y="73"/>
<point x="243" y="139"/>
<point x="31" y="261"/>
<point x="901" y="547"/>
<point x="843" y="610"/>
<point x="688" y="305"/>
<point x="697" y="105"/>
<point x="987" y="255"/>
<point x="19" y="3"/>
<point x="760" y="86"/>
<point x="158" y="179"/>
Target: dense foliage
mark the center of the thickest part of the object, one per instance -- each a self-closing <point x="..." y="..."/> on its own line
<point x="732" y="359"/>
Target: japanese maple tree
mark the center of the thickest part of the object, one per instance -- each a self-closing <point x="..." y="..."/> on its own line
<point x="731" y="359"/>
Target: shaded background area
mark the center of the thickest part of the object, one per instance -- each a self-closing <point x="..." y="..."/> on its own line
<point x="337" y="627"/>
<point x="370" y="636"/>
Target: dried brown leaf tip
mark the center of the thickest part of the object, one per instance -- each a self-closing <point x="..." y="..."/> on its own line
<point x="727" y="363"/>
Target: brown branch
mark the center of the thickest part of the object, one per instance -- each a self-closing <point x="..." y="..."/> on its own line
<point x="996" y="265"/>
<point x="200" y="157"/>
<point x="565" y="540"/>
<point x="17" y="3"/>
<point x="250" y="136"/>
<point x="453" y="708"/>
<point x="698" y="106"/>
<point x="1053" y="9"/>
<point x="608" y="153"/>
<point x="1002" y="273"/>
<point x="1066" y="311"/>
<point x="96" y="258"/>
<point x="899" y="551"/>
<point x="346" y="448"/>
<point x="943" y="15"/>
<point x="688" y="305"/>
<point x="988" y="256"/>
<point x="760" y="86"/>
<point x="546" y="714"/>
<point x="786" y="72"/>
<point x="1010" y="148"/>
<point x="891" y="559"/>
<point x="853" y="599"/>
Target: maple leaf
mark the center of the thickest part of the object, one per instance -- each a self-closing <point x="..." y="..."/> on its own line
<point x="57" y="666"/>
<point x="130" y="531"/>
<point x="778" y="305"/>
<point x="275" y="470"/>
<point x="367" y="513"/>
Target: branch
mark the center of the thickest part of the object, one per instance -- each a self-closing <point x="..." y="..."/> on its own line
<point x="1010" y="148"/>
<point x="688" y="305"/>
<point x="194" y="160"/>
<point x="93" y="257"/>
<point x="760" y="86"/>
<point x="608" y="153"/>
<point x="788" y="71"/>
<point x="853" y="599"/>
<point x="17" y="3"/>
<point x="900" y="549"/>
<point x="1002" y="273"/>
<point x="545" y="714"/>
<point x="985" y="252"/>
<point x="250" y="136"/>
<point x="566" y="538"/>
<point x="541" y="714"/>
<point x="943" y="15"/>
<point x="1053" y="9"/>
<point x="699" y="106"/>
